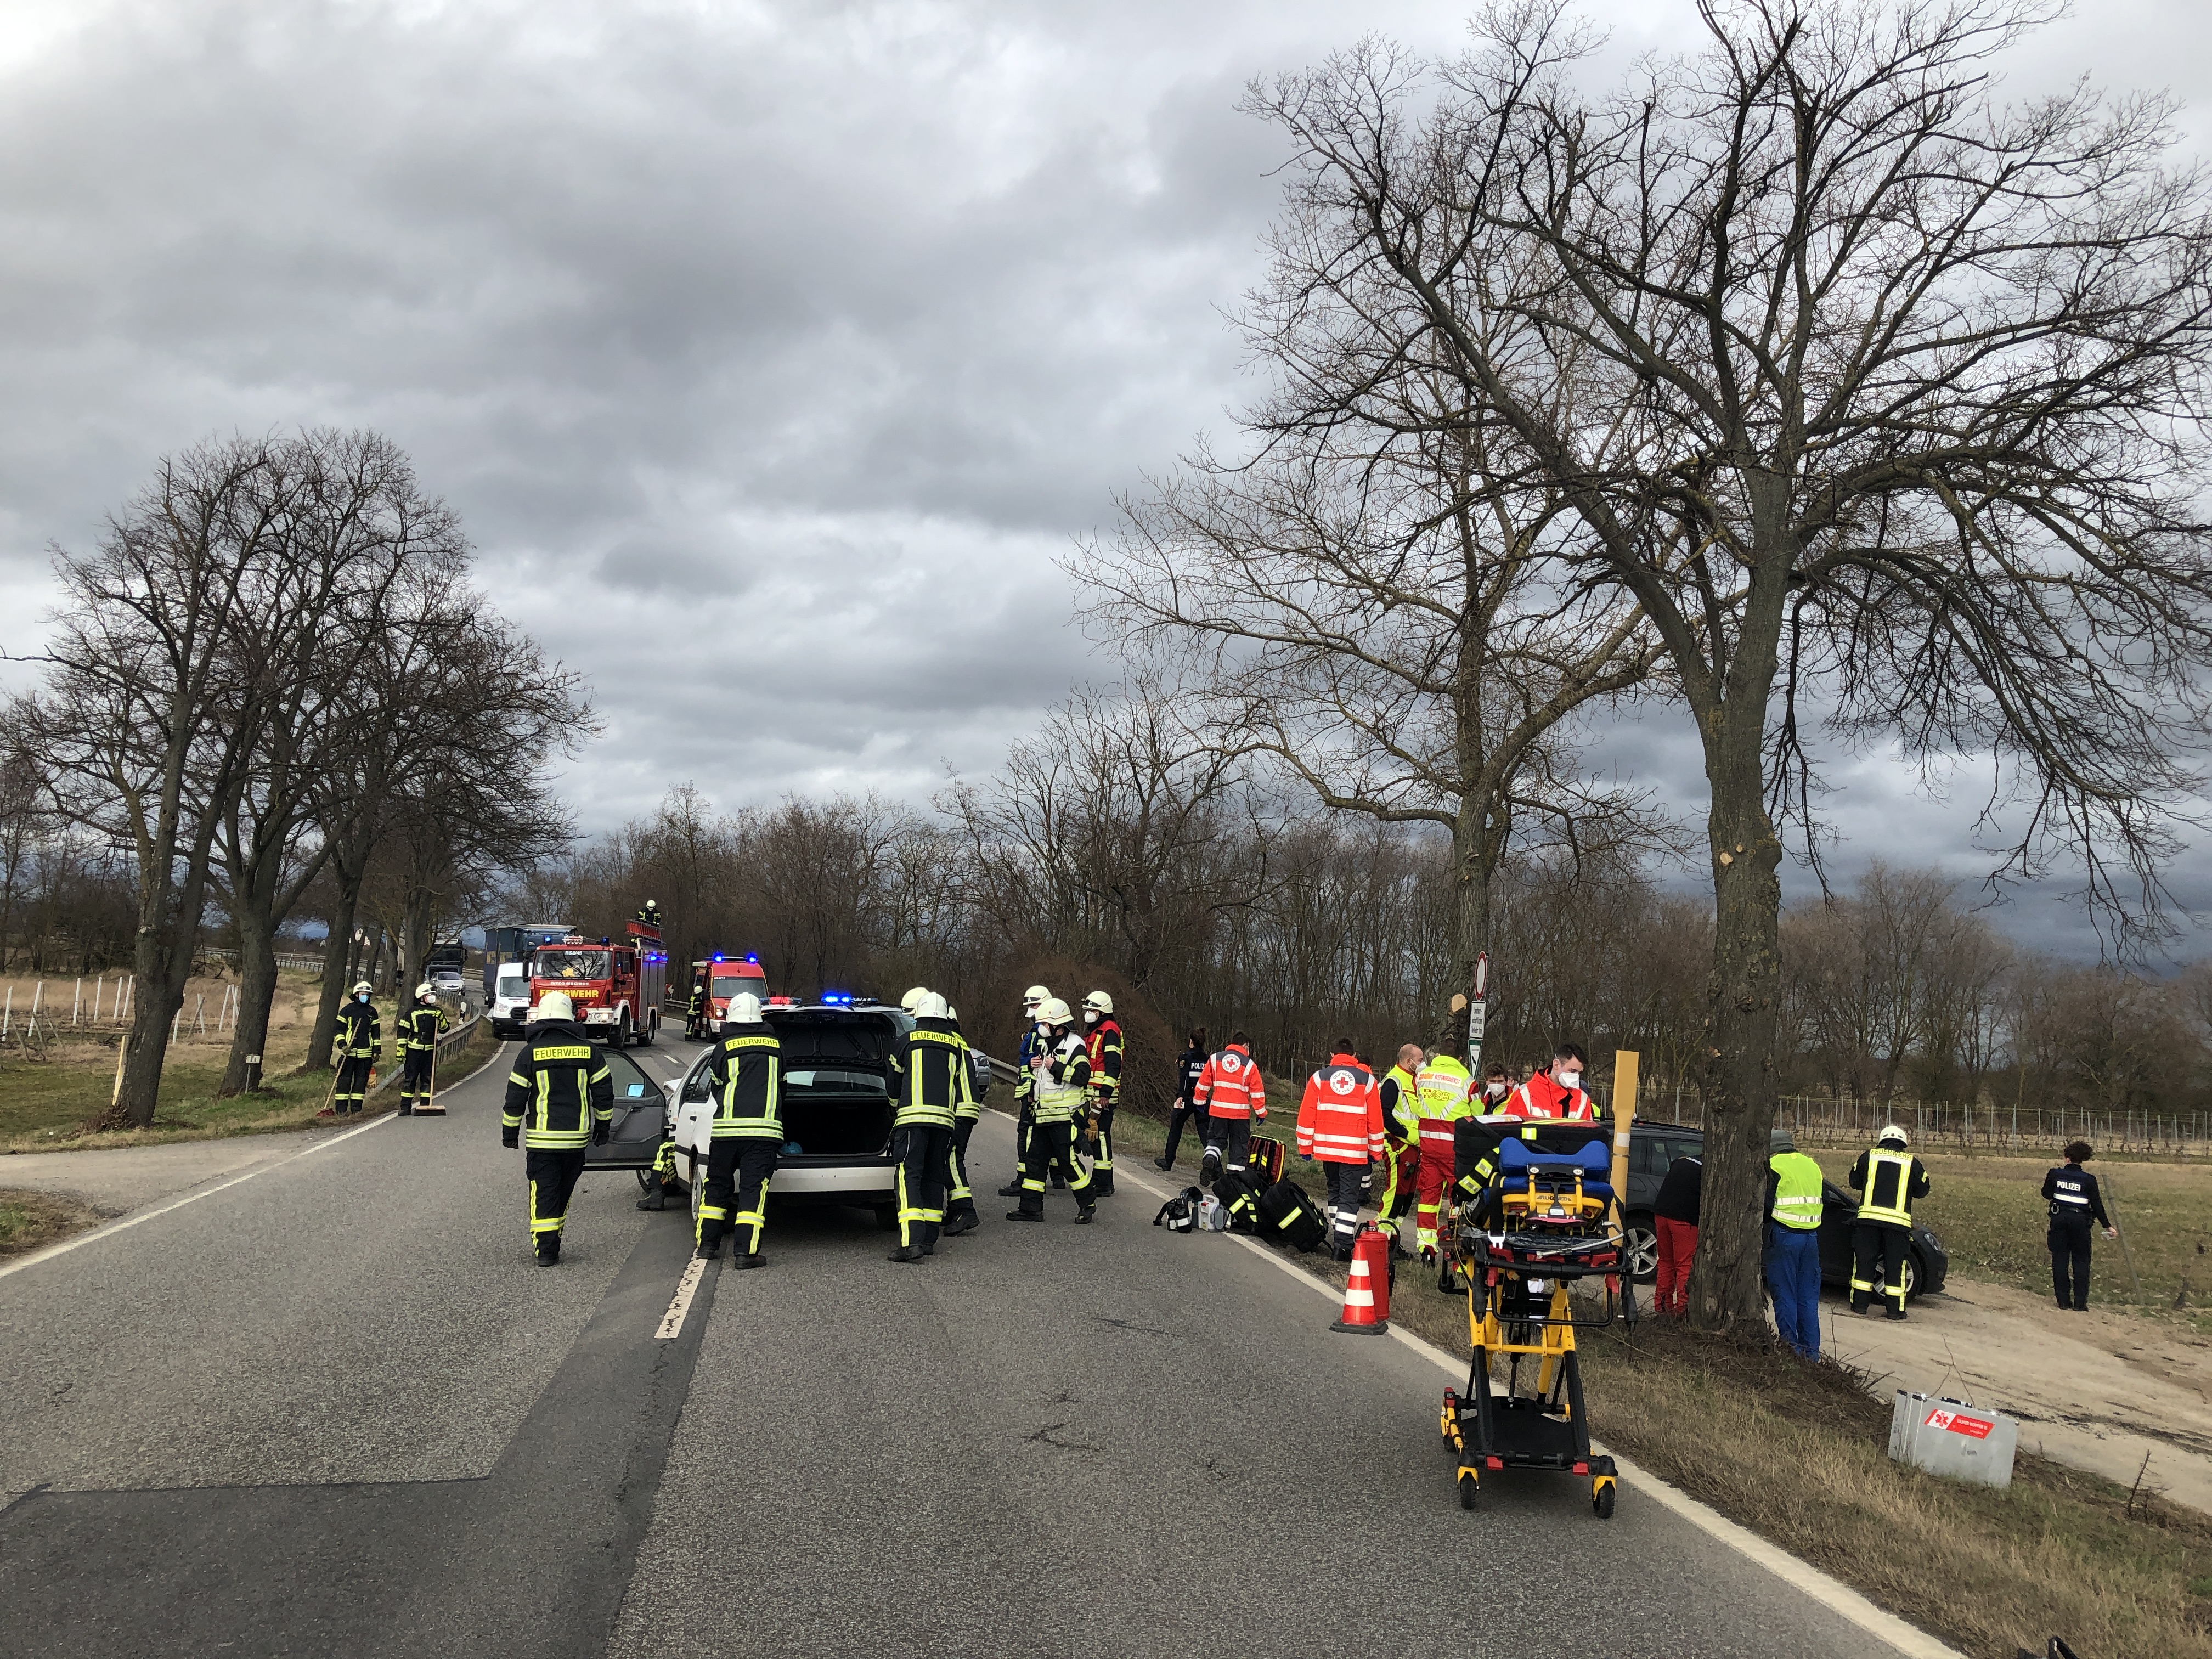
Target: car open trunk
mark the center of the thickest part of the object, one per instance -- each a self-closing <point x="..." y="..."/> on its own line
<point x="838" y="1083"/>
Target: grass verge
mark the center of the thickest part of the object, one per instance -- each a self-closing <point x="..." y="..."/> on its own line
<point x="1798" y="1454"/>
<point x="31" y="1221"/>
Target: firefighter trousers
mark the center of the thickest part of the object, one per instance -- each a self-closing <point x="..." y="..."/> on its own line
<point x="960" y="1197"/>
<point x="553" y="1173"/>
<point x="1876" y="1248"/>
<point x="1102" y="1148"/>
<point x="1052" y="1150"/>
<point x="742" y="1165"/>
<point x="1432" y="1175"/>
<point x="352" y="1085"/>
<point x="923" y="1152"/>
<point x="415" y="1081"/>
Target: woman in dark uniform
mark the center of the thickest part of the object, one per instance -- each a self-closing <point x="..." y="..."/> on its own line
<point x="2075" y="1203"/>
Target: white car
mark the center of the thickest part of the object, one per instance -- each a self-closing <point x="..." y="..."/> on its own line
<point x="839" y="1080"/>
<point x="447" y="980"/>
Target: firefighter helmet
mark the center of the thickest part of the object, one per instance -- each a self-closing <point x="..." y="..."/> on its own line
<point x="744" y="1009"/>
<point x="425" y="991"/>
<point x="554" y="1004"/>
<point x="1891" y="1135"/>
<point x="1034" y="995"/>
<point x="911" y="1001"/>
<point x="364" y="989"/>
<point x="1098" y="1003"/>
<point x="1053" y="1012"/>
<point x="929" y="1005"/>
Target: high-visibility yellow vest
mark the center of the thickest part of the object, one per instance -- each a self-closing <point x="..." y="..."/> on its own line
<point x="1442" y="1086"/>
<point x="1405" y="1109"/>
<point x="1894" y="1214"/>
<point x="1796" y="1191"/>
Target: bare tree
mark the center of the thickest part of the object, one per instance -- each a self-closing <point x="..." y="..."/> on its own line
<point x="1906" y="384"/>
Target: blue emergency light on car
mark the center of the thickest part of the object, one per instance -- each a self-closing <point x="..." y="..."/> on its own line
<point x="836" y="999"/>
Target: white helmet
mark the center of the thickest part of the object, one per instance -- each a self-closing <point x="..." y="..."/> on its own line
<point x="1053" y="1012"/>
<point x="1098" y="1003"/>
<point x="929" y="1005"/>
<point x="554" y="1005"/>
<point x="425" y="991"/>
<point x="744" y="1009"/>
<point x="952" y="1013"/>
<point x="1034" y="995"/>
<point x="912" y="999"/>
<point x="363" y="989"/>
<point x="1891" y="1134"/>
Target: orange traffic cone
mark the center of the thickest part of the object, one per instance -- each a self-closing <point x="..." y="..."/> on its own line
<point x="1367" y="1286"/>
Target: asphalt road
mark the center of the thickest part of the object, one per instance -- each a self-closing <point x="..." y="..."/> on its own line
<point x="336" y="1408"/>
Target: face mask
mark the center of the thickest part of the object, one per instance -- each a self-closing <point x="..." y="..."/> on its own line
<point x="1495" y="1090"/>
<point x="1090" y="1016"/>
<point x="1571" y="1079"/>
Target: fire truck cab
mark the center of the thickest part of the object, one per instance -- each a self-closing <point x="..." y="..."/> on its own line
<point x="728" y="976"/>
<point x="617" y="988"/>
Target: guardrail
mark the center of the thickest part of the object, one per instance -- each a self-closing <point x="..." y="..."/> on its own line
<point x="452" y="1039"/>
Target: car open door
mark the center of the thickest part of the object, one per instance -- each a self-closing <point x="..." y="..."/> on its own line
<point x="640" y="1117"/>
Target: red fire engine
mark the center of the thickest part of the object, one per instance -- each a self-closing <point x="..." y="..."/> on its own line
<point x="617" y="988"/>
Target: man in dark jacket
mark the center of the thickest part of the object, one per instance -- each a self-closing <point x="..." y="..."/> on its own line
<point x="1189" y="1063"/>
<point x="1674" y="1214"/>
<point x="560" y="1101"/>
<point x="2071" y="1192"/>
<point x="746" y="1137"/>
<point x="1888" y="1178"/>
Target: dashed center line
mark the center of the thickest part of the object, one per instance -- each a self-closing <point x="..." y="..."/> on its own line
<point x="672" y="1323"/>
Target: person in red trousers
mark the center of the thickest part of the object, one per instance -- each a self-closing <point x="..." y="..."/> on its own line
<point x="1675" y="1211"/>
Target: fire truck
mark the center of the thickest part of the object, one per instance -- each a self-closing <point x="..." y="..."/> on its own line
<point x="617" y="988"/>
<point x="728" y="976"/>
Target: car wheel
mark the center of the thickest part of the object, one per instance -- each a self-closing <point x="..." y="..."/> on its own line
<point x="1642" y="1237"/>
<point x="650" y="1030"/>
<point x="697" y="1194"/>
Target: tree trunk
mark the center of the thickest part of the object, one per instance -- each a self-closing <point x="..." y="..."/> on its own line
<point x="1475" y="846"/>
<point x="337" y="961"/>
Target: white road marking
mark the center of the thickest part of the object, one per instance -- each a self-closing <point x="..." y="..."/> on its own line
<point x="131" y="1221"/>
<point x="672" y="1323"/>
<point x="1833" y="1594"/>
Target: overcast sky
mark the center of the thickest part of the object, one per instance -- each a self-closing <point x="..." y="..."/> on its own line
<point x="772" y="352"/>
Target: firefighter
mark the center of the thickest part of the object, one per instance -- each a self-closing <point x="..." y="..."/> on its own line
<point x="1442" y="1086"/>
<point x="660" y="1180"/>
<point x="1103" y="1039"/>
<point x="1025" y="1085"/>
<point x="960" y="1215"/>
<point x="1556" y="1093"/>
<point x="747" y="1134"/>
<point x="649" y="913"/>
<point x="418" y="1046"/>
<point x="1340" y="1125"/>
<point x="1888" y="1178"/>
<point x="1231" y="1092"/>
<point x="1189" y="1065"/>
<point x="560" y="1100"/>
<point x="1402" y="1129"/>
<point x="935" y="1082"/>
<point x="359" y="1044"/>
<point x="1060" y="1090"/>
<point x="694" y="1011"/>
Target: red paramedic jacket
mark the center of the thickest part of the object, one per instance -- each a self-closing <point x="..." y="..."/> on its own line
<point x="1540" y="1097"/>
<point x="1341" y="1119"/>
<point x="1230" y="1085"/>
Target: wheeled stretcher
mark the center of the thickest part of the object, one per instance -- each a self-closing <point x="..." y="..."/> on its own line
<point x="1540" y="1216"/>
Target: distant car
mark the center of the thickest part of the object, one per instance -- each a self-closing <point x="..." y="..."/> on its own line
<point x="839" y="1082"/>
<point x="508" y="1011"/>
<point x="445" y="979"/>
<point x="1653" y="1147"/>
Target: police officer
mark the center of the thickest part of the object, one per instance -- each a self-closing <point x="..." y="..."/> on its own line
<point x="418" y="1046"/>
<point x="935" y="1082"/>
<point x="1793" y="1242"/>
<point x="560" y="1100"/>
<point x="359" y="1044"/>
<point x="960" y="1215"/>
<point x="1189" y="1065"/>
<point x="1104" y="1034"/>
<point x="1888" y="1178"/>
<point x="2071" y="1192"/>
<point x="747" y="1134"/>
<point x="1025" y="1082"/>
<point x="1060" y="1069"/>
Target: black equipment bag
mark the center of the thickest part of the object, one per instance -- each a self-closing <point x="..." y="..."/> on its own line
<point x="1263" y="1165"/>
<point x="1285" y="1213"/>
<point x="1237" y="1198"/>
<point x="1180" y="1213"/>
